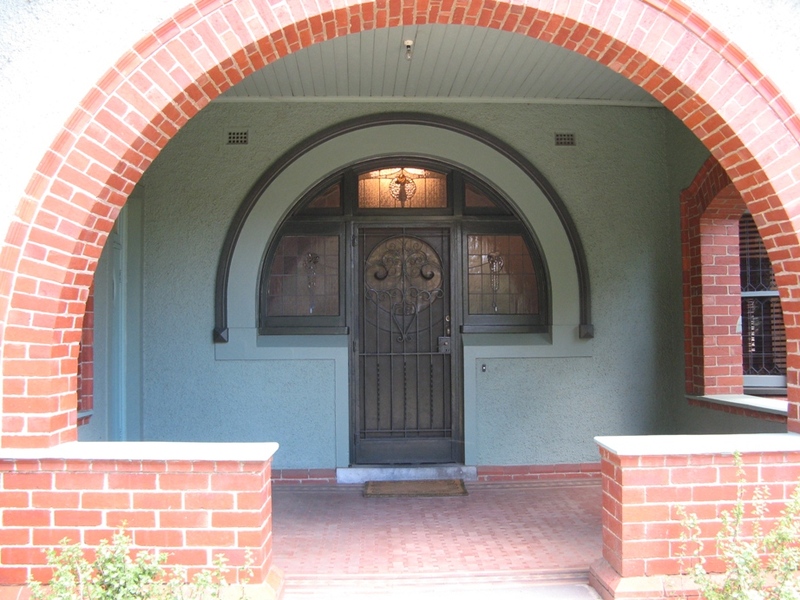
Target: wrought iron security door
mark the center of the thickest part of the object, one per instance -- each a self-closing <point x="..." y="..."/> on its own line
<point x="404" y="406"/>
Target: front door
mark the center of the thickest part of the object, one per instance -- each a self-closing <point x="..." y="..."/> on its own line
<point x="405" y="412"/>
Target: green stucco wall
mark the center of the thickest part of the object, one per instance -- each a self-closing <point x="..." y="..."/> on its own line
<point x="620" y="186"/>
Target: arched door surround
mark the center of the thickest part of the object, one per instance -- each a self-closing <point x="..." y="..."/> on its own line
<point x="361" y="140"/>
<point x="276" y="196"/>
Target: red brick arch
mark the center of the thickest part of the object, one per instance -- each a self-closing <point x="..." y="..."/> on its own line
<point x="50" y="252"/>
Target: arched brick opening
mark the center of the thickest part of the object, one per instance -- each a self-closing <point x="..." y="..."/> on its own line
<point x="50" y="252"/>
<point x="711" y="208"/>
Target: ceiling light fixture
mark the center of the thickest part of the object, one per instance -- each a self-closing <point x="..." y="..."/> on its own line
<point x="409" y="44"/>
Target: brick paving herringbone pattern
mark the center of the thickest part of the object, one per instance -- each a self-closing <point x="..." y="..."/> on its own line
<point x="501" y="536"/>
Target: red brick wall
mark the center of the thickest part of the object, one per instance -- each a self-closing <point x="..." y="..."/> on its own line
<point x="562" y="471"/>
<point x="642" y="496"/>
<point x="304" y="476"/>
<point x="191" y="509"/>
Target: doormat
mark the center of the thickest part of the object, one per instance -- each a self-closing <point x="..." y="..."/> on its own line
<point x="415" y="488"/>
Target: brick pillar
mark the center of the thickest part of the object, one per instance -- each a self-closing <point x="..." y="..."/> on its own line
<point x="193" y="501"/>
<point x="646" y="481"/>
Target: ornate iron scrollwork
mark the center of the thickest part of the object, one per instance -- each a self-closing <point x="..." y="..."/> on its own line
<point x="403" y="276"/>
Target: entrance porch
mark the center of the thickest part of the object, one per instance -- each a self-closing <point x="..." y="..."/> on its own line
<point x="513" y="539"/>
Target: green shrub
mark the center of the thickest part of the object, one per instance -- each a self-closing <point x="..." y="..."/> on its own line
<point x="759" y="566"/>
<point x="117" y="575"/>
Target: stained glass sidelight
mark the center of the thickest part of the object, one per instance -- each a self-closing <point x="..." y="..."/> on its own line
<point x="501" y="277"/>
<point x="304" y="278"/>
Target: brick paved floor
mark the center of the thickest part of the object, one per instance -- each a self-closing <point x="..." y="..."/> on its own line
<point x="502" y="535"/>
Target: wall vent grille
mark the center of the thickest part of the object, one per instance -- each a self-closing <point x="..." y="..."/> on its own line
<point x="237" y="137"/>
<point x="565" y="139"/>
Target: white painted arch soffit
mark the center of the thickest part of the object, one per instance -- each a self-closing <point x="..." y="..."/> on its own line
<point x="448" y="63"/>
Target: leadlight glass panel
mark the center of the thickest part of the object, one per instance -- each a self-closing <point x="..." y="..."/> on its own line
<point x="304" y="277"/>
<point x="399" y="188"/>
<point x="501" y="277"/>
<point x="475" y="198"/>
<point x="330" y="198"/>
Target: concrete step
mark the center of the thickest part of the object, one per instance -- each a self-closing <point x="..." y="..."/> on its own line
<point x="363" y="474"/>
<point x="556" y="585"/>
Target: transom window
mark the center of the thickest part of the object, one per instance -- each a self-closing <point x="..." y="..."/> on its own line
<point x="402" y="188"/>
<point x="304" y="282"/>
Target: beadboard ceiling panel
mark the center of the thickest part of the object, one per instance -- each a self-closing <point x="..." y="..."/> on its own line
<point x="448" y="62"/>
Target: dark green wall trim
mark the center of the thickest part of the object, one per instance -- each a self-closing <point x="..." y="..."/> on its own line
<point x="220" y="334"/>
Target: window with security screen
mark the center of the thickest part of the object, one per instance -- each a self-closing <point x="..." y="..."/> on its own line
<point x="763" y="333"/>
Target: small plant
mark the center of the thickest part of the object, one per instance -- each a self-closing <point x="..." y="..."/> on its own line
<point x="758" y="566"/>
<point x="117" y="575"/>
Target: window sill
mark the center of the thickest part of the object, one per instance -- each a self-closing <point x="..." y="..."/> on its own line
<point x="755" y="403"/>
<point x="778" y="393"/>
